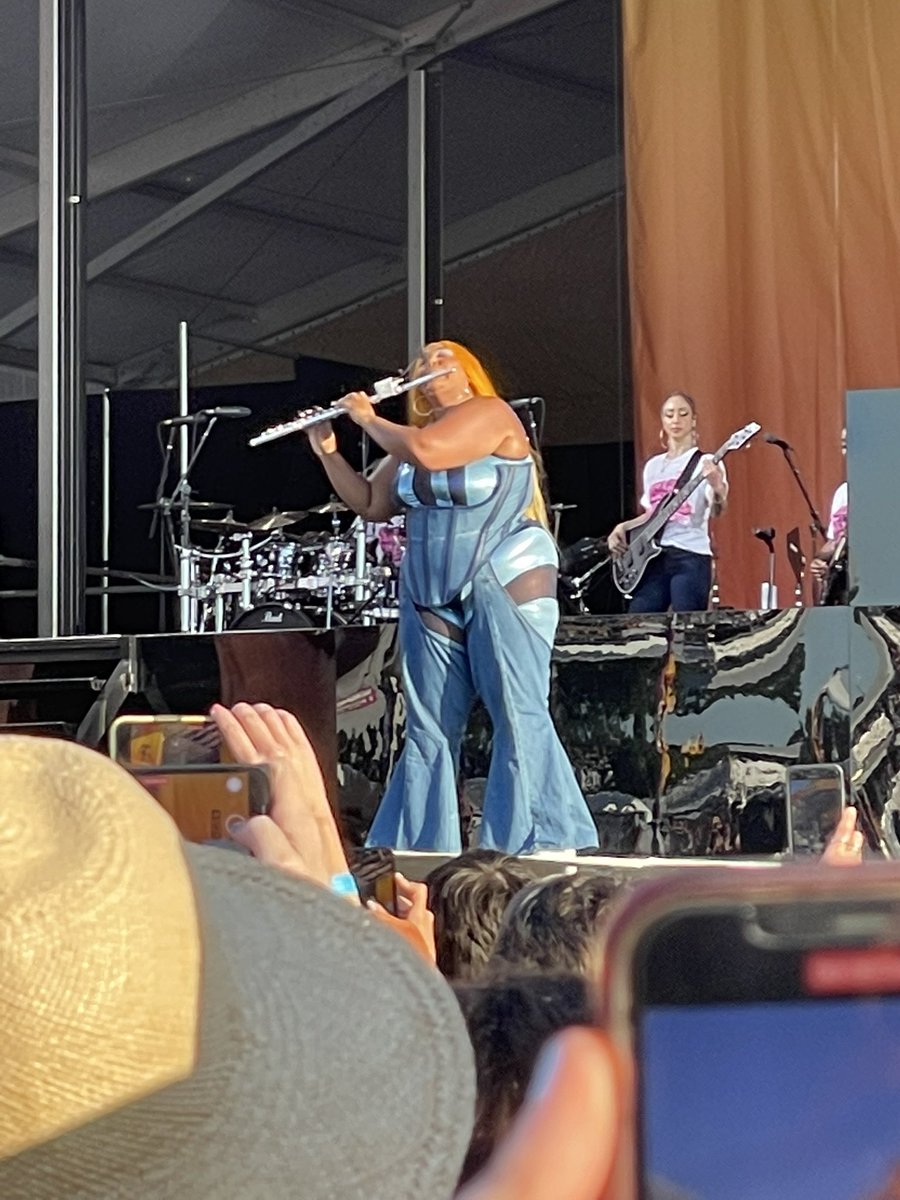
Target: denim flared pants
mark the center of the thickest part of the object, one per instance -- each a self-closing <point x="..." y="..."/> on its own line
<point x="532" y="800"/>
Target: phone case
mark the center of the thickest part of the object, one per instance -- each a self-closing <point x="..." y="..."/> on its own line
<point x="808" y="894"/>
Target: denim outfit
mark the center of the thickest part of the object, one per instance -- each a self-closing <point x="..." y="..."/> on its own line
<point x="466" y="540"/>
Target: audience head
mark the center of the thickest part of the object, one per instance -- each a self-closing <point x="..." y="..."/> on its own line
<point x="552" y="924"/>
<point x="468" y="897"/>
<point x="182" y="1020"/>
<point x="509" y="1020"/>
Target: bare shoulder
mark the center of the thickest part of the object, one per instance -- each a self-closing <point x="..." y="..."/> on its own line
<point x="496" y="410"/>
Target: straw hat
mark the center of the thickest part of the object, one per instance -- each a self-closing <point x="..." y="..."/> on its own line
<point x="180" y="1021"/>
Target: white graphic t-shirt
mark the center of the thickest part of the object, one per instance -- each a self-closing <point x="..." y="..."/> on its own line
<point x="688" y="527"/>
<point x="837" y="526"/>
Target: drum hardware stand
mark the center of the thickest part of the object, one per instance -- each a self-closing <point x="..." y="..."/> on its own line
<point x="579" y="584"/>
<point x="182" y="551"/>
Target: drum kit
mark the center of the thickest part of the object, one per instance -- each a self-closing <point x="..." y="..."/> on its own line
<point x="265" y="573"/>
<point x="270" y="574"/>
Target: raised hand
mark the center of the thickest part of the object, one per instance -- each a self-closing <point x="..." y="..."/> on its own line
<point x="300" y="834"/>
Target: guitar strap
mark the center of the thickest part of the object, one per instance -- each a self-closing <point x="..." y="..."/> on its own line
<point x="682" y="478"/>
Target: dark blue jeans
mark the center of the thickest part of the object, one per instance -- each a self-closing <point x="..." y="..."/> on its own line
<point x="676" y="579"/>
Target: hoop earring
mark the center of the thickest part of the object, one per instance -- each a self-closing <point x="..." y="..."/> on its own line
<point x="417" y="411"/>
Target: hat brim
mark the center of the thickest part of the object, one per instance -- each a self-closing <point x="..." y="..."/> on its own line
<point x="333" y="1064"/>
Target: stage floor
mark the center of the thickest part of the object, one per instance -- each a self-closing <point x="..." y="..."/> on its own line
<point x="681" y="729"/>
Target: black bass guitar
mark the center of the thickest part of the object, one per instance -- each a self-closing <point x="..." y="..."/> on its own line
<point x="833" y="587"/>
<point x="628" y="568"/>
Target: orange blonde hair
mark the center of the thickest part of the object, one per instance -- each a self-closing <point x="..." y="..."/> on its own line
<point x="481" y="384"/>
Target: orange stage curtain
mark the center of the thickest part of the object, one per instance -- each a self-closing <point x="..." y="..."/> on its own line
<point x="762" y="144"/>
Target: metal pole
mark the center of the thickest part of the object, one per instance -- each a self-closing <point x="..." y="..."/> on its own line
<point x="182" y="395"/>
<point x="61" y="418"/>
<point x="415" y="212"/>
<point x="186" y="605"/>
<point x="434" y="202"/>
<point x="105" y="514"/>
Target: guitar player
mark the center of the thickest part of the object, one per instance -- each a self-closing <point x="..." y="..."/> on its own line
<point x="830" y="558"/>
<point x="680" y="577"/>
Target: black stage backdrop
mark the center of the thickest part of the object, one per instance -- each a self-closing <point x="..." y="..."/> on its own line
<point x="283" y="474"/>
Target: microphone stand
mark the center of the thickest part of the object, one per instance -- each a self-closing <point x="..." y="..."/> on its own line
<point x="160" y="506"/>
<point x="770" y="596"/>
<point x="816" y="526"/>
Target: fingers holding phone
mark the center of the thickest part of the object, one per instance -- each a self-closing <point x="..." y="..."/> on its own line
<point x="845" y="846"/>
<point x="300" y="808"/>
<point x="412" y="906"/>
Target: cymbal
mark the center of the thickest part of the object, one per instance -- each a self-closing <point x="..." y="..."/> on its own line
<point x="330" y="506"/>
<point x="198" y="505"/>
<point x="220" y="525"/>
<point x="277" y="520"/>
<point x="561" y="507"/>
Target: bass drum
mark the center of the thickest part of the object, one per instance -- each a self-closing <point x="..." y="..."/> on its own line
<point x="279" y="616"/>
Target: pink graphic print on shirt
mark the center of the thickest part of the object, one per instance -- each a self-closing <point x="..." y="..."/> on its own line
<point x="839" y="522"/>
<point x="659" y="491"/>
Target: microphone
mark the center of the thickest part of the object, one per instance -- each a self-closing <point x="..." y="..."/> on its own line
<point x="777" y="441"/>
<point x="190" y="419"/>
<point x="526" y="402"/>
<point x="206" y="414"/>
<point x="229" y="411"/>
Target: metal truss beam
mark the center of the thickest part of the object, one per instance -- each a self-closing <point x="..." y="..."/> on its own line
<point x="306" y="307"/>
<point x="334" y="15"/>
<point x="196" y="202"/>
<point x="275" y="101"/>
<point x="376" y="232"/>
<point x="130" y="283"/>
<point x="21" y="162"/>
<point x="462" y="27"/>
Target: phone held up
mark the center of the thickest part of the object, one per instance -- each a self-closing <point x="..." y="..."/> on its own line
<point x="761" y="1009"/>
<point x="181" y="761"/>
<point x="816" y="798"/>
<point x="373" y="868"/>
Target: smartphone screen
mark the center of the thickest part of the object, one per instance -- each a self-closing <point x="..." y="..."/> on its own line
<point x="373" y="868"/>
<point x="200" y="799"/>
<point x="758" y="1082"/>
<point x="815" y="803"/>
<point x="167" y="740"/>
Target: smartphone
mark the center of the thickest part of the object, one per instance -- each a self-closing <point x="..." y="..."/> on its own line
<point x="373" y="868"/>
<point x="761" y="1009"/>
<point x="816" y="799"/>
<point x="167" y="740"/>
<point x="51" y="729"/>
<point x="200" y="798"/>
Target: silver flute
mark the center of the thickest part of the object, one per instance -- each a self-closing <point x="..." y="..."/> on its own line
<point x="383" y="389"/>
